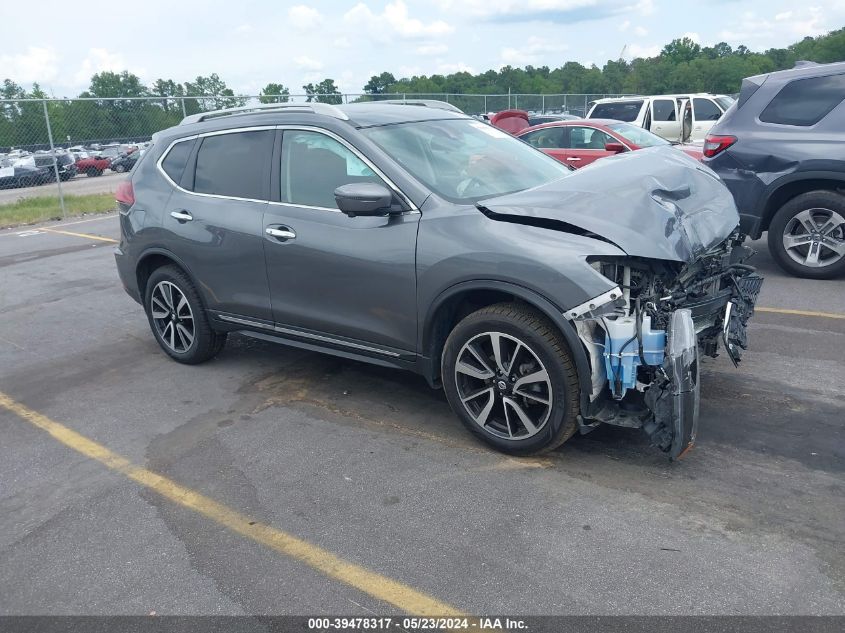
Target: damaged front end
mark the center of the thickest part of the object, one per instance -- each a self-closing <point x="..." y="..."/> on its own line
<point x="644" y="338"/>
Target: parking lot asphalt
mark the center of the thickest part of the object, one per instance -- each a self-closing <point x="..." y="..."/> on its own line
<point x="79" y="186"/>
<point x="369" y="466"/>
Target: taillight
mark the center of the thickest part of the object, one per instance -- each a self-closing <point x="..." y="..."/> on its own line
<point x="714" y="145"/>
<point x="125" y="194"/>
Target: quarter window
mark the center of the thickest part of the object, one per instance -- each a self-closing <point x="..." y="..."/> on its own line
<point x="235" y="165"/>
<point x="805" y="101"/>
<point x="664" y="110"/>
<point x="314" y="165"/>
<point x="547" y="138"/>
<point x="619" y="110"/>
<point x="176" y="159"/>
<point x="705" y="110"/>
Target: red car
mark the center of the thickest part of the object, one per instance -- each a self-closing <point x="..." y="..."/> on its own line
<point x="579" y="143"/>
<point x="92" y="166"/>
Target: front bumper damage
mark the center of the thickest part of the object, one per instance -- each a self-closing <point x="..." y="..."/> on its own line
<point x="644" y="338"/>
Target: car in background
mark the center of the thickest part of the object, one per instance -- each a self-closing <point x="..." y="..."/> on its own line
<point x="511" y="121"/>
<point x="584" y="141"/>
<point x="92" y="167"/>
<point x="678" y="117"/>
<point x="781" y="151"/>
<point x="539" y="119"/>
<point x="17" y="173"/>
<point x="79" y="152"/>
<point x="65" y="165"/>
<point x="125" y="162"/>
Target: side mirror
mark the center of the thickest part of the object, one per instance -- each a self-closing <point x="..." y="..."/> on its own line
<point x="616" y="148"/>
<point x="363" y="198"/>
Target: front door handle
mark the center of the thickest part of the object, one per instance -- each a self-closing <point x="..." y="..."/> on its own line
<point x="280" y="233"/>
<point x="181" y="215"/>
<point x="573" y="158"/>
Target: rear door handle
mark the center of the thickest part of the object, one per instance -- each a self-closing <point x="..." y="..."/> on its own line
<point x="181" y="215"/>
<point x="281" y="232"/>
<point x="573" y="158"/>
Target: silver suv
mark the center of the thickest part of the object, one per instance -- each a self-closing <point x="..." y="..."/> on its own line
<point x="544" y="302"/>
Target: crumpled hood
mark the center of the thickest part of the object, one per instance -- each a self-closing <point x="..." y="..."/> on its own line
<point x="656" y="203"/>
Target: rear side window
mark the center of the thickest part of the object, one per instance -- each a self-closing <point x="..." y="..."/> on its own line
<point x="805" y="101"/>
<point x="548" y="138"/>
<point x="621" y="111"/>
<point x="664" y="110"/>
<point x="176" y="159"/>
<point x="705" y="110"/>
<point x="236" y="164"/>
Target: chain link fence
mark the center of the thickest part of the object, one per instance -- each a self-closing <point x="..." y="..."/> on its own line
<point x="63" y="157"/>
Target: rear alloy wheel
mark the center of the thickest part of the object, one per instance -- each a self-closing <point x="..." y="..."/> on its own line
<point x="119" y="169"/>
<point x="509" y="376"/>
<point x="177" y="317"/>
<point x="807" y="235"/>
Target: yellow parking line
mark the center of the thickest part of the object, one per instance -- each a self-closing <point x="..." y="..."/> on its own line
<point x="808" y="313"/>
<point x="374" y="584"/>
<point x="85" y="235"/>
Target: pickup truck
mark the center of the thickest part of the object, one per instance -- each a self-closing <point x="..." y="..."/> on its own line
<point x="92" y="166"/>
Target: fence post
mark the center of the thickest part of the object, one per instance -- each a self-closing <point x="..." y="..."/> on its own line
<point x="543" y="110"/>
<point x="485" y="105"/>
<point x="55" y="162"/>
<point x="184" y="112"/>
<point x="585" y="106"/>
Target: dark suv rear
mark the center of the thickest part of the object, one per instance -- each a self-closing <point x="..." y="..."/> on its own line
<point x="781" y="151"/>
<point x="543" y="301"/>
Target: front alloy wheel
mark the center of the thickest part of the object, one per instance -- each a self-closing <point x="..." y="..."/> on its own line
<point x="503" y="385"/>
<point x="510" y="377"/>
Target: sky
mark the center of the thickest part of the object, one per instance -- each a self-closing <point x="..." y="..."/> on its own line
<point x="252" y="42"/>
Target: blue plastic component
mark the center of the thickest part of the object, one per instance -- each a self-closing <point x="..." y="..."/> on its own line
<point x="621" y="364"/>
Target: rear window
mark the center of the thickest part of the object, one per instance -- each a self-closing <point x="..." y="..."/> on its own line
<point x="805" y="101"/>
<point x="235" y="164"/>
<point x="176" y="159"/>
<point x="621" y="111"/>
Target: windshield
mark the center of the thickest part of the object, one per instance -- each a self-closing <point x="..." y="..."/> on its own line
<point x="637" y="135"/>
<point x="619" y="110"/>
<point x="725" y="102"/>
<point x="464" y="160"/>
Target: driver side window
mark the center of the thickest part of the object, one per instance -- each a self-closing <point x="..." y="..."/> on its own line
<point x="314" y="165"/>
<point x="547" y="138"/>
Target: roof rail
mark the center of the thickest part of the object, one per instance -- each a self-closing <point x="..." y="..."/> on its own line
<point x="429" y="103"/>
<point x="315" y="107"/>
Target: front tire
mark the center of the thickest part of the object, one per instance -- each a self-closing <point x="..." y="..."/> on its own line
<point x="178" y="319"/>
<point x="807" y="235"/>
<point x="510" y="377"/>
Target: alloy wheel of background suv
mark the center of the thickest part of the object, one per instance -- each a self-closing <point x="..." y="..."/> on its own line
<point x="807" y="235"/>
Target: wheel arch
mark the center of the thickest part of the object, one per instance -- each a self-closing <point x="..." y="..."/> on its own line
<point x="454" y="303"/>
<point x="155" y="258"/>
<point x="788" y="187"/>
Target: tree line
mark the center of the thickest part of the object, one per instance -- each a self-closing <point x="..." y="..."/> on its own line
<point x="682" y="65"/>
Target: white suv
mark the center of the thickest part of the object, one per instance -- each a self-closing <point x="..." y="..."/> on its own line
<point x="679" y="117"/>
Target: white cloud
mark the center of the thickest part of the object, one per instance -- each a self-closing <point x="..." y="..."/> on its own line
<point x="303" y="17"/>
<point x="394" y="21"/>
<point x="693" y="36"/>
<point x="432" y="49"/>
<point x="640" y="31"/>
<point x="308" y="63"/>
<point x="243" y="29"/>
<point x="449" y="68"/>
<point x="625" y="25"/>
<point x="342" y="42"/>
<point x="533" y="52"/>
<point x="635" y="50"/>
<point x="783" y="16"/>
<point x="35" y="65"/>
<point x="99" y="60"/>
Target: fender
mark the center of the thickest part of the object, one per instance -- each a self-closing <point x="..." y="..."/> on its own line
<point x="430" y="368"/>
<point x="775" y="186"/>
<point x="159" y="250"/>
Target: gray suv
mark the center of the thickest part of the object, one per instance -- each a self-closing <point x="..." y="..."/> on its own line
<point x="781" y="151"/>
<point x="544" y="302"/>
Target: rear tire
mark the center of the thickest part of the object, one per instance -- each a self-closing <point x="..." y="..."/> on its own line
<point x="523" y="399"/>
<point x="807" y="235"/>
<point x="178" y="319"/>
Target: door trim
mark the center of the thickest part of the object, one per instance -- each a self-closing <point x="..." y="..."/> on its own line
<point x="308" y="335"/>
